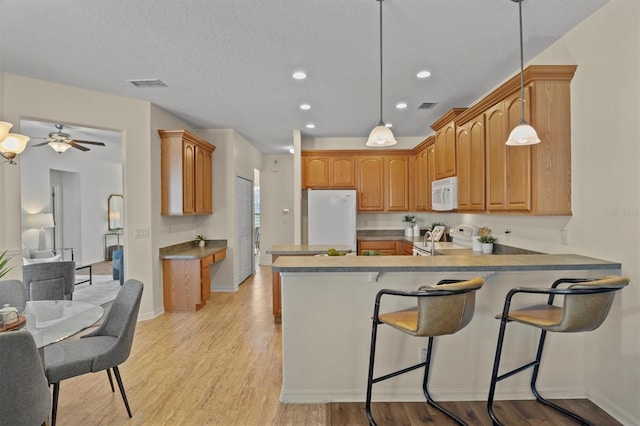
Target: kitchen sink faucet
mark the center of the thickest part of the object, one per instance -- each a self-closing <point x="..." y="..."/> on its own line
<point x="432" y="249"/>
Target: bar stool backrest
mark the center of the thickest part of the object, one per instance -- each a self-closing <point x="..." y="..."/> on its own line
<point x="586" y="312"/>
<point x="447" y="314"/>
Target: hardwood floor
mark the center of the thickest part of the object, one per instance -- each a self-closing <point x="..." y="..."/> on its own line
<point x="222" y="366"/>
<point x="101" y="268"/>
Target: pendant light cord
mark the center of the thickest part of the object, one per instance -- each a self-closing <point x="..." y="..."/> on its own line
<point x="521" y="65"/>
<point x="381" y="122"/>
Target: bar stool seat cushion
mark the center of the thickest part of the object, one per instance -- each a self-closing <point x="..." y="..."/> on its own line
<point x="538" y="315"/>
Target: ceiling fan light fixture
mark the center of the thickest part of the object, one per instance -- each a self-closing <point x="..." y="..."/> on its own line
<point x="59" y="147"/>
<point x="381" y="135"/>
<point x="523" y="134"/>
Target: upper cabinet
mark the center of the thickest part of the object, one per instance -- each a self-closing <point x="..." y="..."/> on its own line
<point x="186" y="173"/>
<point x="445" y="129"/>
<point x="425" y="161"/>
<point x="328" y="171"/>
<point x="470" y="143"/>
<point x="371" y="183"/>
<point x="396" y="185"/>
<point x="533" y="179"/>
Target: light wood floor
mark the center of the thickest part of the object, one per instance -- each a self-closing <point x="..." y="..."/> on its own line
<point x="222" y="366"/>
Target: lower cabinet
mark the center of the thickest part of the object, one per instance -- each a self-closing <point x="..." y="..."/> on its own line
<point x="385" y="247"/>
<point x="187" y="282"/>
<point x="404" y="248"/>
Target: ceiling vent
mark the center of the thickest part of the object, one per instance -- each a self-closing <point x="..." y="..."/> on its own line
<point x="147" y="83"/>
<point x="427" y="105"/>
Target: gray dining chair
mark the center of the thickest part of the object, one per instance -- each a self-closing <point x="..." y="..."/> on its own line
<point x="50" y="281"/>
<point x="103" y="349"/>
<point x="24" y="393"/>
<point x="13" y="293"/>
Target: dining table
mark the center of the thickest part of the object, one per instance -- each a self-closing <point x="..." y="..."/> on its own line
<point x="50" y="321"/>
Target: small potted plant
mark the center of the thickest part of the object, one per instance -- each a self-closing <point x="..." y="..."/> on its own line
<point x="487" y="243"/>
<point x="201" y="240"/>
<point x="410" y="220"/>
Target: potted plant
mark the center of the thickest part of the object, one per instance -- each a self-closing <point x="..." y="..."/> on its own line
<point x="4" y="259"/>
<point x="410" y="220"/>
<point x="201" y="240"/>
<point x="487" y="243"/>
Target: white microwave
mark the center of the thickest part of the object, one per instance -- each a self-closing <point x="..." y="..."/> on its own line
<point x="444" y="194"/>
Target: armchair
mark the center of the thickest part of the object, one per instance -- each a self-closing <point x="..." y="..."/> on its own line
<point x="50" y="281"/>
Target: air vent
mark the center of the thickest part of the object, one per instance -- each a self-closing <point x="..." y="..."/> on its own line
<point x="147" y="83"/>
<point x="427" y="105"/>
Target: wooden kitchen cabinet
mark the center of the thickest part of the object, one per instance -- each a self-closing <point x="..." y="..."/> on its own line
<point x="186" y="173"/>
<point x="445" y="129"/>
<point x="187" y="282"/>
<point x="370" y="182"/>
<point x="396" y="183"/>
<point x="534" y="179"/>
<point x="431" y="172"/>
<point x="404" y="248"/>
<point x="328" y="171"/>
<point x="470" y="141"/>
<point x="421" y="202"/>
<point x="381" y="247"/>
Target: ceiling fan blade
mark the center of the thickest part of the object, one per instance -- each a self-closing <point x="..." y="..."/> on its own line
<point x="88" y="142"/>
<point x="80" y="147"/>
<point x="40" y="144"/>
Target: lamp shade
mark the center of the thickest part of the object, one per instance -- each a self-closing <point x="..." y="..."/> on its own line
<point x="40" y="220"/>
<point x="523" y="134"/>
<point x="13" y="143"/>
<point x="380" y="136"/>
<point x="114" y="215"/>
<point x="4" y="129"/>
<point x="59" y="147"/>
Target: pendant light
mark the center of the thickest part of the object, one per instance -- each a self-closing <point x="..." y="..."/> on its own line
<point x="523" y="134"/>
<point x="381" y="135"/>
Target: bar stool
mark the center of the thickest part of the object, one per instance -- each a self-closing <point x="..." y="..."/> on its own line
<point x="442" y="309"/>
<point x="585" y="306"/>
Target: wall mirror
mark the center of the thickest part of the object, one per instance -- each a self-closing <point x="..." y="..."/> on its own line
<point x="115" y="212"/>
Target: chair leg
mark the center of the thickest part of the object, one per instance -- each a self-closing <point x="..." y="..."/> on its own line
<point x="425" y="387"/>
<point x="539" y="398"/>
<point x="54" y="405"/>
<point x="372" y="355"/>
<point x="120" y="385"/>
<point x="494" y="374"/>
<point x="110" y="379"/>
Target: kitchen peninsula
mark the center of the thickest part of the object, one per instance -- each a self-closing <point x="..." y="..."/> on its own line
<point x="327" y="303"/>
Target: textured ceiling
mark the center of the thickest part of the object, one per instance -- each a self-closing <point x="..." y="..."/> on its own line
<point x="228" y="63"/>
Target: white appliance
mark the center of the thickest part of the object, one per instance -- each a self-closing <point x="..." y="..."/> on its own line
<point x="332" y="217"/>
<point x="444" y="194"/>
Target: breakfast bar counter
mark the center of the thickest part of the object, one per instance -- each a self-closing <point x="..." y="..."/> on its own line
<point x="327" y="303"/>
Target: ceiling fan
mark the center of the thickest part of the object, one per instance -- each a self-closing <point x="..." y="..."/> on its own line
<point x="61" y="141"/>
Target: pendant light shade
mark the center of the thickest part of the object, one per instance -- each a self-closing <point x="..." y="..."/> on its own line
<point x="381" y="135"/>
<point x="523" y="134"/>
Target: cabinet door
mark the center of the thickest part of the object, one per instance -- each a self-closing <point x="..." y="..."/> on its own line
<point x="430" y="171"/>
<point x="518" y="159"/>
<point x="446" y="148"/>
<point x="470" y="165"/>
<point x="396" y="183"/>
<point x="203" y="191"/>
<point x="421" y="180"/>
<point x="188" y="176"/>
<point x="342" y="172"/>
<point x="370" y="173"/>
<point x="496" y="158"/>
<point x="315" y="171"/>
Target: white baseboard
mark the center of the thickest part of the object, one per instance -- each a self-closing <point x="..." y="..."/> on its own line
<point x="613" y="409"/>
<point x="143" y="316"/>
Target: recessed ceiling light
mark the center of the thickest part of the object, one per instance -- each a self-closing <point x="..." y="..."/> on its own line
<point x="311" y="126"/>
<point x="291" y="151"/>
<point x="305" y="106"/>
<point x="299" y="75"/>
<point x="401" y="105"/>
<point x="389" y="125"/>
<point x="423" y="74"/>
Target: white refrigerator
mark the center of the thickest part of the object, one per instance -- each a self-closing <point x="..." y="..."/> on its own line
<point x="332" y="217"/>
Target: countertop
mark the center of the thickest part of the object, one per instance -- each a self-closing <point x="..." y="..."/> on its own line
<point x="191" y="251"/>
<point x="479" y="262"/>
<point x="291" y="249"/>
